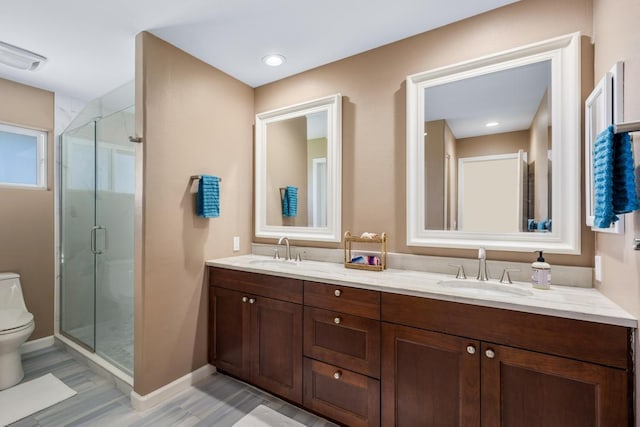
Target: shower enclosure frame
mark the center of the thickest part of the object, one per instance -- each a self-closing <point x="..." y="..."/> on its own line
<point x="113" y="103"/>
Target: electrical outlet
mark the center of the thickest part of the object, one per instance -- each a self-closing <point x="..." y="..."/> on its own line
<point x="597" y="268"/>
<point x="236" y="243"/>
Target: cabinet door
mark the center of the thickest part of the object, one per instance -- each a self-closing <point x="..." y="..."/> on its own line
<point x="276" y="347"/>
<point x="231" y="331"/>
<point x="523" y="388"/>
<point x="429" y="379"/>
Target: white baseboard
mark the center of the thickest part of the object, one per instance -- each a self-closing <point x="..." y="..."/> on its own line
<point x="142" y="403"/>
<point x="38" y="344"/>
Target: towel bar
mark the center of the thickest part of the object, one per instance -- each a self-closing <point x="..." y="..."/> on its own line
<point x="627" y="127"/>
<point x="200" y="176"/>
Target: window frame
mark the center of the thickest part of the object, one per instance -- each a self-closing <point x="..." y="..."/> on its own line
<point x="42" y="138"/>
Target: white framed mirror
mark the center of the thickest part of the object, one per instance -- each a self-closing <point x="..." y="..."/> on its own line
<point x="493" y="151"/>
<point x="298" y="171"/>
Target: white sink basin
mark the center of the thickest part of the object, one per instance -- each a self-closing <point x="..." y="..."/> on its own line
<point x="273" y="263"/>
<point x="476" y="287"/>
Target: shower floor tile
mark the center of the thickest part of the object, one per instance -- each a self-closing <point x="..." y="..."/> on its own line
<point x="114" y="341"/>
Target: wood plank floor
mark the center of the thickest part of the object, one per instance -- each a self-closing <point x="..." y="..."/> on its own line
<point x="216" y="401"/>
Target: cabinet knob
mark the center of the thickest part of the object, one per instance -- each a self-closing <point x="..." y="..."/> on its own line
<point x="252" y="300"/>
<point x="337" y="375"/>
<point x="490" y="353"/>
<point x="245" y="299"/>
<point x="337" y="320"/>
<point x="337" y="292"/>
<point x="471" y="349"/>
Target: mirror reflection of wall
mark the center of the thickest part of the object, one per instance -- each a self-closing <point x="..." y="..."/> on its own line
<point x="296" y="151"/>
<point x="507" y="112"/>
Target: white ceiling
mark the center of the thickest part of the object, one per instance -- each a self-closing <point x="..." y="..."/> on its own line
<point x="510" y="97"/>
<point x="90" y="44"/>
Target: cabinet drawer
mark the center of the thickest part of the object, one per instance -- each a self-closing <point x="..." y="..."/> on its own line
<point x="348" y="341"/>
<point x="257" y="284"/>
<point x="342" y="395"/>
<point x="359" y="302"/>
<point x="577" y="339"/>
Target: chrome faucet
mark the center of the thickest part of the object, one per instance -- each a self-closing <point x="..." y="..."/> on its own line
<point x="288" y="253"/>
<point x="482" y="266"/>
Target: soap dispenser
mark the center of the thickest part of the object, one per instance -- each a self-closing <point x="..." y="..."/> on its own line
<point x="541" y="273"/>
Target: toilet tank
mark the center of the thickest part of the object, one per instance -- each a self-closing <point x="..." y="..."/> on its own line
<point x="11" y="292"/>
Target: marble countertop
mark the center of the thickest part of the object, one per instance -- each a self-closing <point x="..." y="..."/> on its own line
<point x="561" y="301"/>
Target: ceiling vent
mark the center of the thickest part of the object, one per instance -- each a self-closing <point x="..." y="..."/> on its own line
<point x="22" y="59"/>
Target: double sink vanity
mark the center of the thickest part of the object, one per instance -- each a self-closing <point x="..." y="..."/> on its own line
<point x="411" y="348"/>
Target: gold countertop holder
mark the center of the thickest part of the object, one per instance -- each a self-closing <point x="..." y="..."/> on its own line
<point x="380" y="240"/>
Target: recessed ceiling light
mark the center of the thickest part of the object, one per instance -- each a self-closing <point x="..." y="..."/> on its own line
<point x="492" y="124"/>
<point x="22" y="59"/>
<point x="273" y="60"/>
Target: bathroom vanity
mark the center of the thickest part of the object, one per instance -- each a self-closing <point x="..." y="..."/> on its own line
<point x="396" y="348"/>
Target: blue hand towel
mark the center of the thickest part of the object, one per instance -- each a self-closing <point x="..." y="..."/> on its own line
<point x="613" y="177"/>
<point x="208" y="205"/>
<point x="290" y="202"/>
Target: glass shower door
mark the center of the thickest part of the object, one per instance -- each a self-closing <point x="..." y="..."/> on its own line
<point x="78" y="214"/>
<point x="115" y="217"/>
<point x="97" y="215"/>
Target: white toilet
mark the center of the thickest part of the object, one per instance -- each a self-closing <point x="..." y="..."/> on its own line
<point x="16" y="325"/>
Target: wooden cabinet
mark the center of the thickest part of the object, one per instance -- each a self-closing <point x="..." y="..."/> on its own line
<point x="342" y="353"/>
<point x="359" y="302"/>
<point x="276" y="347"/>
<point x="230" y="351"/>
<point x="525" y="388"/>
<point x="351" y="342"/>
<point x="432" y="378"/>
<point x="429" y="379"/>
<point x="257" y="338"/>
<point x="367" y="358"/>
<point x="340" y="394"/>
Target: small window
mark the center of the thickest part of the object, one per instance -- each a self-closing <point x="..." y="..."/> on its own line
<point x="23" y="157"/>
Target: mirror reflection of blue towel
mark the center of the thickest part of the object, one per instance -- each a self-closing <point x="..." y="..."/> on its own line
<point x="208" y="200"/>
<point x="613" y="177"/>
<point x="290" y="201"/>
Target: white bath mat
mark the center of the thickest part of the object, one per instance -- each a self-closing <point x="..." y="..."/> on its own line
<point x="25" y="399"/>
<point x="262" y="416"/>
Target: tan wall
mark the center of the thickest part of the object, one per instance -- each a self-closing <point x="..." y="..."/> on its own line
<point x="194" y="120"/>
<point x="539" y="147"/>
<point x="26" y="216"/>
<point x="287" y="165"/>
<point x="617" y="38"/>
<point x="374" y="103"/>
<point x="451" y="155"/>
<point x="491" y="145"/>
<point x="434" y="152"/>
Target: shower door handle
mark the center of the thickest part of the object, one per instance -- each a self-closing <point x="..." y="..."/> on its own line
<point x="93" y="239"/>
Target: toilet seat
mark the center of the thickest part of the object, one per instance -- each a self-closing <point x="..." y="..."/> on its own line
<point x="14" y="320"/>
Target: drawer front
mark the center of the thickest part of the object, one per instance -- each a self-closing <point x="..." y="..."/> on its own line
<point x="342" y="395"/>
<point x="359" y="302"/>
<point x="588" y="341"/>
<point x="348" y="341"/>
<point x="281" y="288"/>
